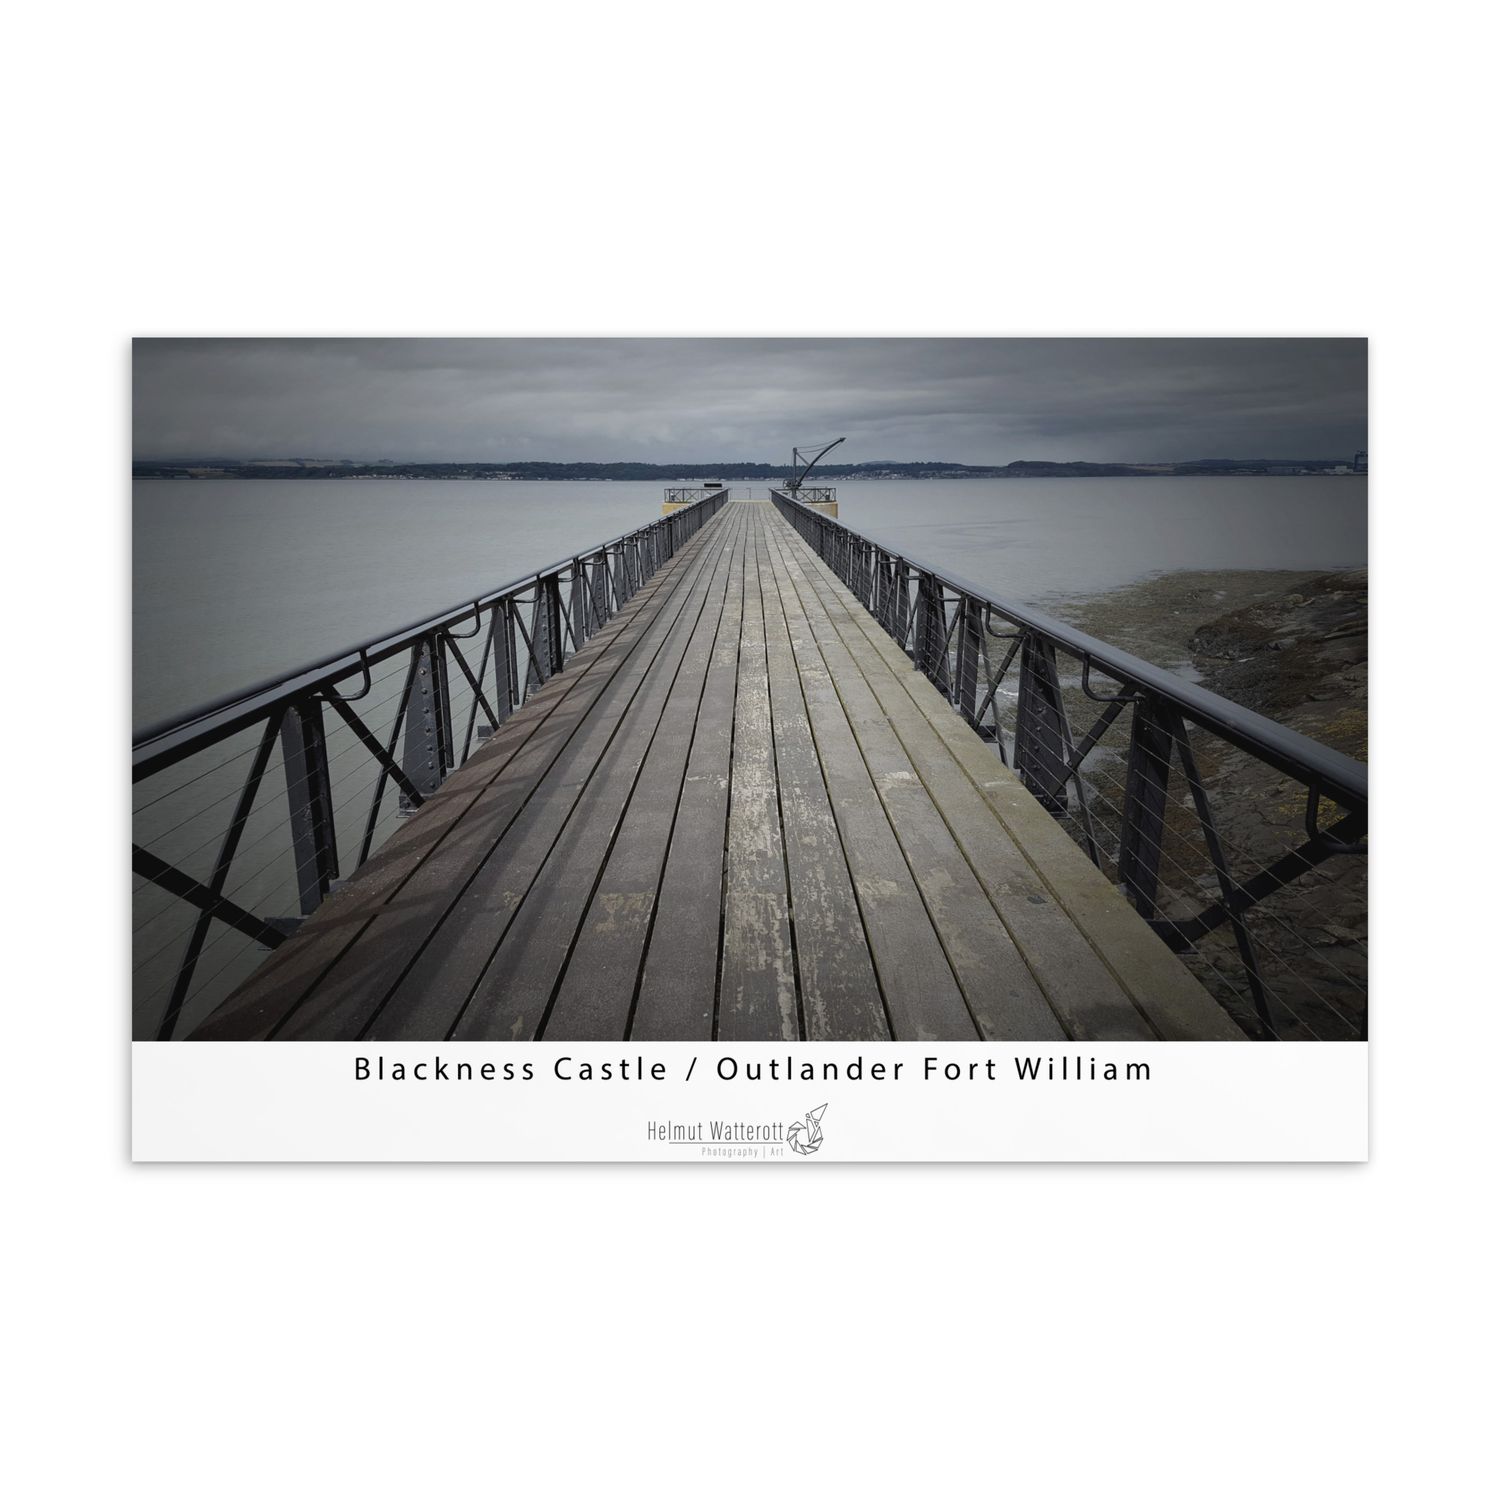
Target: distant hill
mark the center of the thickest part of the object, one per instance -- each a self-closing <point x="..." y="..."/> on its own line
<point x="534" y="469"/>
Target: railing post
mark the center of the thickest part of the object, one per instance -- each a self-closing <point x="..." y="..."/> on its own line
<point x="505" y="661"/>
<point x="444" y="700"/>
<point x="557" y="641"/>
<point x="622" y="593"/>
<point x="539" y="658"/>
<point x="304" y="754"/>
<point x="422" y="756"/>
<point x="600" y="583"/>
<point x="1143" y="816"/>
<point x="1041" y="758"/>
<point x="900" y="626"/>
<point x="577" y="604"/>
<point x="966" y="683"/>
<point x="931" y="645"/>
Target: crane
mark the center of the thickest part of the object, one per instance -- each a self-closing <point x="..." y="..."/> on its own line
<point x="798" y="475"/>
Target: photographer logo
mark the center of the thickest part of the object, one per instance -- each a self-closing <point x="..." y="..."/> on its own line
<point x="804" y="1136"/>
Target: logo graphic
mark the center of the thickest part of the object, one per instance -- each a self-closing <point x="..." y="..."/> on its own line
<point x="804" y="1136"/>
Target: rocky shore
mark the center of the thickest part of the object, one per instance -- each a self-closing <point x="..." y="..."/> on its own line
<point x="1292" y="646"/>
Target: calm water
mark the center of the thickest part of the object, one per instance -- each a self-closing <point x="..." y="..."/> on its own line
<point x="238" y="579"/>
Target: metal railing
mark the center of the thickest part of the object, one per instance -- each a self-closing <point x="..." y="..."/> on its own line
<point x="690" y="494"/>
<point x="249" y="810"/>
<point x="1242" y="842"/>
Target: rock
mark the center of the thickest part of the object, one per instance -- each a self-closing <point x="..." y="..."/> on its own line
<point x="1293" y="647"/>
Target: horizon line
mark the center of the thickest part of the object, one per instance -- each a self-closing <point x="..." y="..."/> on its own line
<point x="293" y="459"/>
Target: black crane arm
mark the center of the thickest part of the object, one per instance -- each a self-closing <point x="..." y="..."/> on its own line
<point x="795" y="482"/>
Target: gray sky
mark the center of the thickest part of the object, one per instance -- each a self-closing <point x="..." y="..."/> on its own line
<point x="669" y="400"/>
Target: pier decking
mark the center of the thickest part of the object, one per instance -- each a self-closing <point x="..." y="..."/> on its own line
<point x="739" y="813"/>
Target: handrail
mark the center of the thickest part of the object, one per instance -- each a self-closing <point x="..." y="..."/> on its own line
<point x="1342" y="777"/>
<point x="324" y="774"/>
<point x="160" y="744"/>
<point x="1165" y="852"/>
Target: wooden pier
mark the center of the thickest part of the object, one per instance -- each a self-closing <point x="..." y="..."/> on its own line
<point x="740" y="813"/>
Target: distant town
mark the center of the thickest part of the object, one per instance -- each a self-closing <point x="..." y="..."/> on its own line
<point x="347" y="468"/>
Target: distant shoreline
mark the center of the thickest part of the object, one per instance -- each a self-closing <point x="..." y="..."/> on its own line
<point x="660" y="474"/>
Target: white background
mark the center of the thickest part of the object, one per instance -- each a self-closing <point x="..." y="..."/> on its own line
<point x="950" y="1102"/>
<point x="1146" y="168"/>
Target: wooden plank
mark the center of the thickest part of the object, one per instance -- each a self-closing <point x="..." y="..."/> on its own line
<point x="404" y="979"/>
<point x="1080" y="991"/>
<point x="997" y="985"/>
<point x="922" y="997"/>
<point x="679" y="980"/>
<point x="281" y="983"/>
<point x="1080" y="988"/>
<point x="468" y="911"/>
<point x="1177" y="1007"/>
<point x="598" y="988"/>
<point x="513" y="996"/>
<point x="840" y="994"/>
<point x="757" y="980"/>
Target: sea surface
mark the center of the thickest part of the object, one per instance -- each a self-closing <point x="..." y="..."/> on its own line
<point x="238" y="580"/>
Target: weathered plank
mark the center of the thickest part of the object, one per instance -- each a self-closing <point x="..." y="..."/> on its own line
<point x="757" y="984"/>
<point x="1162" y="989"/>
<point x="598" y="987"/>
<point x="1080" y="990"/>
<point x="440" y="986"/>
<point x="1001" y="992"/>
<point x="547" y="720"/>
<point x="836" y="977"/>
<point x="922" y="997"/>
<point x="517" y="988"/>
<point x="679" y="981"/>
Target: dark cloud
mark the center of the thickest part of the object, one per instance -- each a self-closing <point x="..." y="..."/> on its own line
<point x="967" y="400"/>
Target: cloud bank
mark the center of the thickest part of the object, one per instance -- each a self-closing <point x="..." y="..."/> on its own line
<point x="980" y="401"/>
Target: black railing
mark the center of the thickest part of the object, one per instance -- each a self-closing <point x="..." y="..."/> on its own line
<point x="229" y="856"/>
<point x="1216" y="822"/>
<point x="690" y="494"/>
